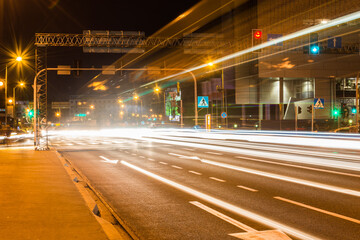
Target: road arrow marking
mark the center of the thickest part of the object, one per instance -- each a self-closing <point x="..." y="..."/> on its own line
<point x="109" y="161"/>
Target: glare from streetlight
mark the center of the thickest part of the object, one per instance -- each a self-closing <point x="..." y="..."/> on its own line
<point x="92" y="106"/>
<point x="19" y="58"/>
<point x="1" y="83"/>
<point x="120" y="101"/>
<point x="21" y="84"/>
<point x="10" y="100"/>
<point x="210" y="64"/>
<point x="136" y="97"/>
<point x="157" y="89"/>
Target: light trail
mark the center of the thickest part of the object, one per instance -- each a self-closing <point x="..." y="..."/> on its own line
<point x="285" y="178"/>
<point x="227" y="206"/>
<point x="319" y="27"/>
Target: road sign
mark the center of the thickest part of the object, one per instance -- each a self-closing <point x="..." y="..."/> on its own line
<point x="318" y="103"/>
<point x="334" y="42"/>
<point x="203" y="101"/>
<point x="224" y="115"/>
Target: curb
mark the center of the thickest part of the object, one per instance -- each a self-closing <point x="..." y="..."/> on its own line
<point x="121" y="232"/>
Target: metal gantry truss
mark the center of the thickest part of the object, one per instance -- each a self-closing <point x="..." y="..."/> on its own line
<point x="126" y="41"/>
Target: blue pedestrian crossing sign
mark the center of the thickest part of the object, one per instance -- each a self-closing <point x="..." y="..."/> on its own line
<point x="203" y="101"/>
<point x="224" y="115"/>
<point x="319" y="103"/>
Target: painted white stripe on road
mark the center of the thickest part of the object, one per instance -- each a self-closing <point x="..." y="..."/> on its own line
<point x="134" y="154"/>
<point x="302" y="167"/>
<point x="177" y="167"/>
<point x="285" y="178"/>
<point x="188" y="149"/>
<point x="141" y="156"/>
<point x="197" y="173"/>
<point x="217" y="179"/>
<point x="227" y="206"/>
<point x="319" y="210"/>
<point x="214" y="153"/>
<point x="150" y="159"/>
<point x="247" y="188"/>
<point x="224" y="217"/>
<point x="164" y="163"/>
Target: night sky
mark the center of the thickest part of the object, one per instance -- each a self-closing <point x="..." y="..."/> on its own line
<point x="21" y="19"/>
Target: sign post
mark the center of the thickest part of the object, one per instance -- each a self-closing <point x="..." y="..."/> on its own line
<point x="318" y="104"/>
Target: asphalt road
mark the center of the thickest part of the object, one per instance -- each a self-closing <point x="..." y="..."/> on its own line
<point x="182" y="186"/>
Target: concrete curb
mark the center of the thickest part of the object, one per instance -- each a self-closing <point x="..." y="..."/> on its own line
<point x="111" y="231"/>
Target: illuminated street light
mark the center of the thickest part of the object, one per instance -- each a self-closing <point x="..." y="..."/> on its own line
<point x="120" y="101"/>
<point x="157" y="89"/>
<point x="136" y="97"/>
<point x="10" y="101"/>
<point x="210" y="64"/>
<point x="1" y="83"/>
<point x="19" y="58"/>
<point x="92" y="106"/>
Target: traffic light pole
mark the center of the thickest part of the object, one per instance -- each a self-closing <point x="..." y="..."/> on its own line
<point x="312" y="117"/>
<point x="296" y="117"/>
<point x="357" y="102"/>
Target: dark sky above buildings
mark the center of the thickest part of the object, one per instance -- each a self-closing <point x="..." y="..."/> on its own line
<point x="21" y="19"/>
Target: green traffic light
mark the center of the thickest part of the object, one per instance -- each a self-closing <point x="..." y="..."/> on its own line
<point x="336" y="112"/>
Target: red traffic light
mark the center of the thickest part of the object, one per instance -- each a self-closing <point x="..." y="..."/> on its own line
<point x="257" y="34"/>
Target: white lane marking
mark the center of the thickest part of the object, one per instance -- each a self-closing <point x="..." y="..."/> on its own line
<point x="177" y="167"/>
<point x="225" y="205"/>
<point x="224" y="217"/>
<point x="150" y="159"/>
<point x="319" y="210"/>
<point x="117" y="142"/>
<point x="217" y="179"/>
<point x="183" y="156"/>
<point x="214" y="153"/>
<point x="247" y="188"/>
<point x="164" y="163"/>
<point x="94" y="143"/>
<point x="126" y="152"/>
<point x="141" y="156"/>
<point x="197" y="173"/>
<point x="69" y="144"/>
<point x="188" y="149"/>
<point x="303" y="167"/>
<point x="134" y="154"/>
<point x="106" y="160"/>
<point x="80" y="143"/>
<point x="285" y="178"/>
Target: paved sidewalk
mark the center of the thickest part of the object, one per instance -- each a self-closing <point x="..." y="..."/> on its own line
<point x="38" y="200"/>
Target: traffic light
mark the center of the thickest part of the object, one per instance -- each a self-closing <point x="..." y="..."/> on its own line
<point x="299" y="110"/>
<point x="256" y="38"/>
<point x="309" y="109"/>
<point x="30" y="113"/>
<point x="353" y="110"/>
<point x="336" y="112"/>
<point x="314" y="48"/>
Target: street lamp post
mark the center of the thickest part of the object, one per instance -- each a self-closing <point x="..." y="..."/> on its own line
<point x="21" y="84"/>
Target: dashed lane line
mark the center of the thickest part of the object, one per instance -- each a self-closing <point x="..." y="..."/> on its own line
<point x="193" y="172"/>
<point x="247" y="188"/>
<point x="217" y="179"/>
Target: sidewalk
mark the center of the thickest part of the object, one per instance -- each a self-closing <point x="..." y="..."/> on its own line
<point x="38" y="200"/>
